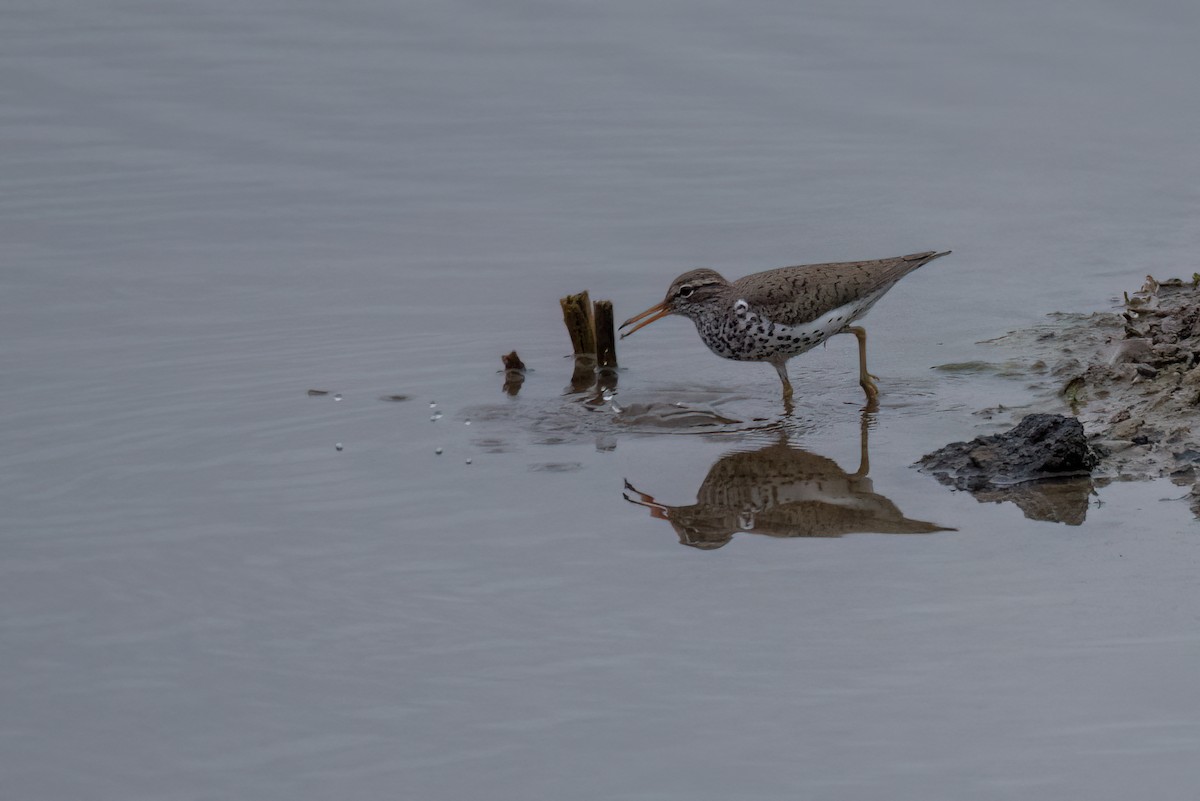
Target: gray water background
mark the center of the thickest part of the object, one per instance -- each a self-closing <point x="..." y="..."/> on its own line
<point x="210" y="208"/>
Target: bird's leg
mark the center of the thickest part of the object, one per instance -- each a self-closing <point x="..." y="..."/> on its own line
<point x="781" y="368"/>
<point x="864" y="378"/>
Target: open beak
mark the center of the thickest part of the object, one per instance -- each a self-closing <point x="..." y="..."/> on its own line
<point x="651" y="314"/>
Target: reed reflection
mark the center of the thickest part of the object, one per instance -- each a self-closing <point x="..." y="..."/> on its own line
<point x="782" y="491"/>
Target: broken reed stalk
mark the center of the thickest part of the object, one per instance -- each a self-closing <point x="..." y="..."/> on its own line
<point x="577" y="314"/>
<point x="593" y="339"/>
<point x="514" y="373"/>
<point x="606" y="341"/>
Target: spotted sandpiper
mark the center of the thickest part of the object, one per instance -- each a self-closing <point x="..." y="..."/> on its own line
<point x="777" y="314"/>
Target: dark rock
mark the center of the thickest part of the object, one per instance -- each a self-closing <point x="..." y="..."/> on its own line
<point x="1040" y="446"/>
<point x="1146" y="370"/>
<point x="1026" y="465"/>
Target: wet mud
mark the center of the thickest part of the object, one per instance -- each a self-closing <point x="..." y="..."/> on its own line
<point x="1130" y="376"/>
<point x="1043" y="465"/>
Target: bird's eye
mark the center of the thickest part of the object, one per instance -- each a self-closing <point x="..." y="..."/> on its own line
<point x="685" y="291"/>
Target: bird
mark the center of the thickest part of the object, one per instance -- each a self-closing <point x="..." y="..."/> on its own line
<point x="774" y="315"/>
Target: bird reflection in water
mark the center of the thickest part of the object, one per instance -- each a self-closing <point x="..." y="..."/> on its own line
<point x="782" y="491"/>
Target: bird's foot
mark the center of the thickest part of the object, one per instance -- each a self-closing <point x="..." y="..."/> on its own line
<point x="872" y="392"/>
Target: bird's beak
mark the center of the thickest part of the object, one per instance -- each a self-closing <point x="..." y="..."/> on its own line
<point x="651" y="314"/>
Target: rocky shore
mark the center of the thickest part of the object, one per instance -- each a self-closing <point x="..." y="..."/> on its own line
<point x="1132" y="379"/>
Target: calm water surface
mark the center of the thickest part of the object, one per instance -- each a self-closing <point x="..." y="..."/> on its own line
<point x="212" y="208"/>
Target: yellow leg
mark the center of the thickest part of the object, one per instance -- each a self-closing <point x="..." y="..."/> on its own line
<point x="865" y="379"/>
<point x="781" y="368"/>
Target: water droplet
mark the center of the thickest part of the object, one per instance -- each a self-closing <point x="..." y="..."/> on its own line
<point x="438" y="451"/>
<point x="436" y="416"/>
<point x="338" y="446"/>
<point x="468" y="461"/>
<point x="432" y="405"/>
<point x="467" y="423"/>
<point x="337" y="397"/>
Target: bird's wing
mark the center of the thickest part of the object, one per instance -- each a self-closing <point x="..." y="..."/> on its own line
<point x="796" y="295"/>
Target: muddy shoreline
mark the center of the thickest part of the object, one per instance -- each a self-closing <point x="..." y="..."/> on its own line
<point x="1130" y="376"/>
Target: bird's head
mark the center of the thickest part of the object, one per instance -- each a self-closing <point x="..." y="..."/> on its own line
<point x="689" y="293"/>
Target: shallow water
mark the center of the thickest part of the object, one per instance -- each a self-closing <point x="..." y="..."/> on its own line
<point x="211" y="210"/>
